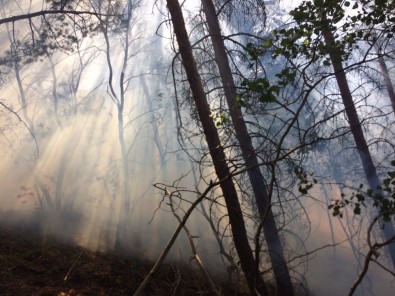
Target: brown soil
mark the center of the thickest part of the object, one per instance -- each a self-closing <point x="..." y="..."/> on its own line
<point x="30" y="265"/>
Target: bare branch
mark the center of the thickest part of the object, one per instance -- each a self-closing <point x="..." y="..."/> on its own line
<point x="373" y="251"/>
<point x="166" y="250"/>
<point x="29" y="16"/>
<point x="24" y="123"/>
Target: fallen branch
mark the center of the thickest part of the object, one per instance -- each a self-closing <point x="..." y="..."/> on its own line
<point x="166" y="250"/>
<point x="72" y="266"/>
<point x="195" y="254"/>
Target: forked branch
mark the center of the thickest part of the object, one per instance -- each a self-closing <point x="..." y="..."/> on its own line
<point x="373" y="252"/>
<point x="167" y="248"/>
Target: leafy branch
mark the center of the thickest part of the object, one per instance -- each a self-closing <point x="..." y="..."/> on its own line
<point x="305" y="182"/>
<point x="382" y="198"/>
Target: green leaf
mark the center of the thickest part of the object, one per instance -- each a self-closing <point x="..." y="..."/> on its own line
<point x="357" y="209"/>
<point x="267" y="43"/>
<point x="240" y="101"/>
<point x="360" y="197"/>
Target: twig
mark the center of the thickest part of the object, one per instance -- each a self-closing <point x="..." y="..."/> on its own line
<point x="24" y="123"/>
<point x="177" y="282"/>
<point x="72" y="266"/>
<point x="167" y="248"/>
<point x="373" y="251"/>
<point x="195" y="254"/>
<point x="384" y="267"/>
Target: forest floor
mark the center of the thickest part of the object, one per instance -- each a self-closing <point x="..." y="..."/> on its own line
<point x="30" y="265"/>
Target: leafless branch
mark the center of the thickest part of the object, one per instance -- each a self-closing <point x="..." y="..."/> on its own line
<point x="195" y="254"/>
<point x="167" y="248"/>
<point x="29" y="16"/>
<point x="24" y="123"/>
<point x="373" y="251"/>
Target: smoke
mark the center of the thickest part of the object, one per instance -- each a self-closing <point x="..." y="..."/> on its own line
<point x="72" y="186"/>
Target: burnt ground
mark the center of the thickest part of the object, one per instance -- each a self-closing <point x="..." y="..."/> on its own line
<point x="32" y="265"/>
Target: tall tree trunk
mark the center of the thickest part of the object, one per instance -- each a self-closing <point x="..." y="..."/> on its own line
<point x="356" y="129"/>
<point x="386" y="75"/>
<point x="119" y="100"/>
<point x="263" y="201"/>
<point x="216" y="152"/>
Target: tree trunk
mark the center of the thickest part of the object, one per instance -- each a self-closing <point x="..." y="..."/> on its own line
<point x="22" y="97"/>
<point x="270" y="231"/>
<point x="216" y="152"/>
<point x="119" y="100"/>
<point x="356" y="129"/>
<point x="386" y="75"/>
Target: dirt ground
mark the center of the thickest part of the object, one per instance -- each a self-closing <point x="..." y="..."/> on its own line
<point x="32" y="265"/>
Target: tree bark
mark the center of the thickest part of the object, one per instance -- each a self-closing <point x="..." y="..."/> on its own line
<point x="386" y="75"/>
<point x="263" y="201"/>
<point x="217" y="154"/>
<point x="119" y="100"/>
<point x="356" y="130"/>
